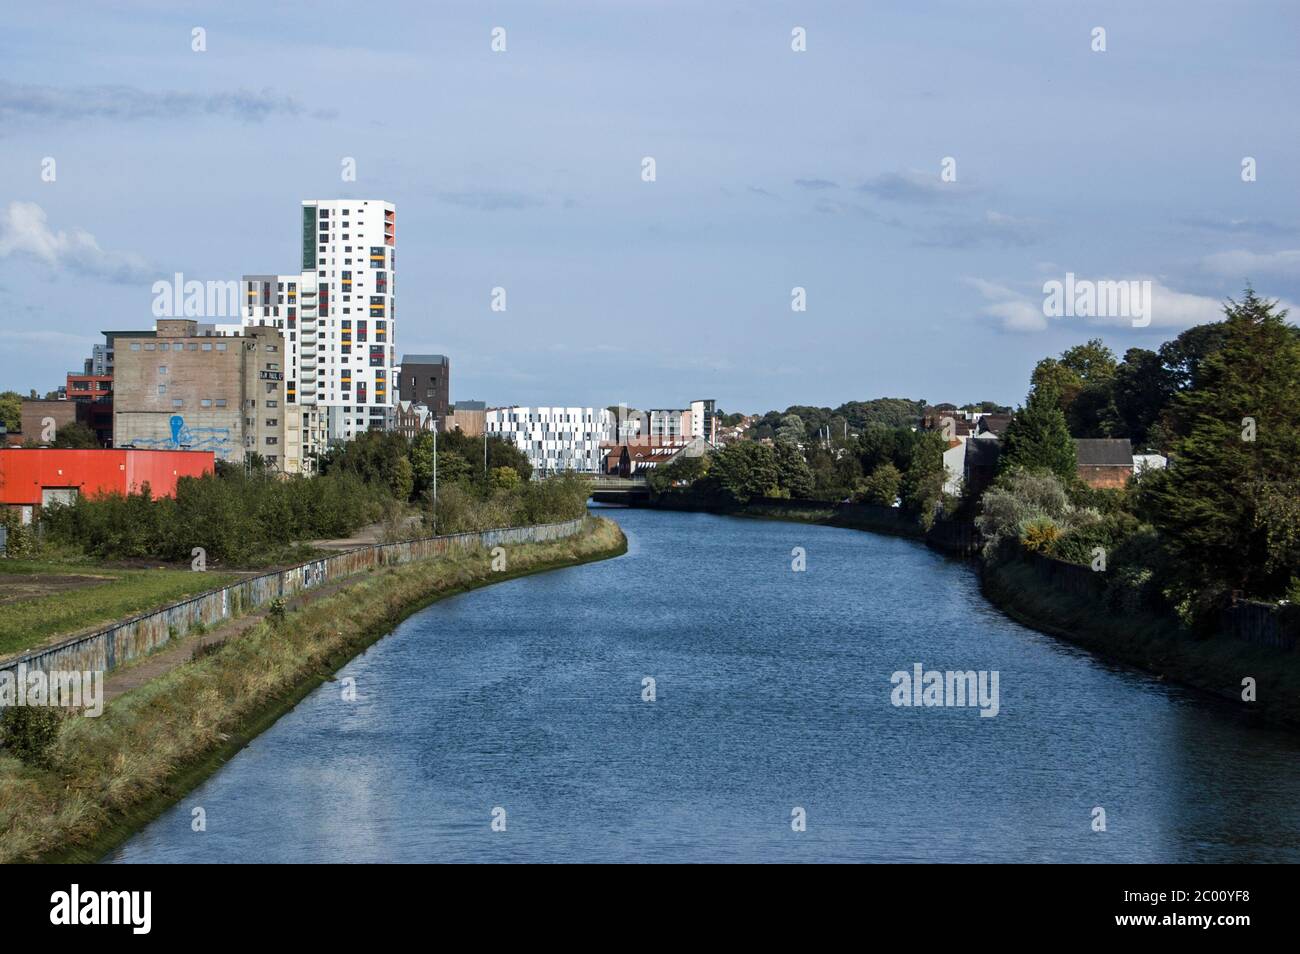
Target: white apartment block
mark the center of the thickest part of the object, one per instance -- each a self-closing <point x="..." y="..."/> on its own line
<point x="554" y="439"/>
<point x="338" y="316"/>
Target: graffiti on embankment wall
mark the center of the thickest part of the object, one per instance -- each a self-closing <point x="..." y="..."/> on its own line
<point x="109" y="648"/>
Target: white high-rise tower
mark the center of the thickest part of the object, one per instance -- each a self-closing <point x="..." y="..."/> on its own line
<point x="339" y="318"/>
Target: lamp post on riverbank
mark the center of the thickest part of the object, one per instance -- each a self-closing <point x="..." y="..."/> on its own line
<point x="435" y="476"/>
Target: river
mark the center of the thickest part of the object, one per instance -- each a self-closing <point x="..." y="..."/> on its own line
<point x="772" y="704"/>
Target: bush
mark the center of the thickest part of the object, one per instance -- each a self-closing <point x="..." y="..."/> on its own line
<point x="1089" y="530"/>
<point x="238" y="519"/>
<point x="464" y="507"/>
<point x="1039" y="534"/>
<point x="29" y="732"/>
<point x="1014" y="502"/>
<point x="22" y="541"/>
<point x="276" y="612"/>
<point x="881" y="486"/>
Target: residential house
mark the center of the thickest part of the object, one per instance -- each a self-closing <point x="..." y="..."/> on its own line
<point x="1104" y="462"/>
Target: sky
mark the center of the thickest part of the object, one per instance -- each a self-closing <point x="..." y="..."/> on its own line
<point x="774" y="169"/>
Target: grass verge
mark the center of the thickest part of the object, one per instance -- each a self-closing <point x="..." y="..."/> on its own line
<point x="40" y="601"/>
<point x="1152" y="643"/>
<point x="108" y="776"/>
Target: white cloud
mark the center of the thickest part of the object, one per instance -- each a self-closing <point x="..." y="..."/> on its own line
<point x="25" y="230"/>
<point x="1014" y="310"/>
<point x="1242" y="265"/>
<point x="1018" y="311"/>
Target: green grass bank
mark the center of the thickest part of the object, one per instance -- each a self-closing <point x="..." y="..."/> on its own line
<point x="43" y="600"/>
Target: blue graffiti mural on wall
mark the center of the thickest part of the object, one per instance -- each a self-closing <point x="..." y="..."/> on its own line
<point x="215" y="439"/>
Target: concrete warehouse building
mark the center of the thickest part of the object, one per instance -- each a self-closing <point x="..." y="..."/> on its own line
<point x="182" y="390"/>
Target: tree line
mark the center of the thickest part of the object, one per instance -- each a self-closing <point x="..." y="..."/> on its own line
<point x="246" y="516"/>
<point x="1222" y="520"/>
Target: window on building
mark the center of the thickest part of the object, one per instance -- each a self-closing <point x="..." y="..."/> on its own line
<point x="177" y="402"/>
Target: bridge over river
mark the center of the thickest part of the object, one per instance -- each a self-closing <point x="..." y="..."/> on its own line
<point x="619" y="490"/>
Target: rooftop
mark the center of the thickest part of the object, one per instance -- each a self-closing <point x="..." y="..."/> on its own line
<point x="1104" y="452"/>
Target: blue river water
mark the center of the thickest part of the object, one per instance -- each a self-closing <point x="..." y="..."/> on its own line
<point x="523" y="703"/>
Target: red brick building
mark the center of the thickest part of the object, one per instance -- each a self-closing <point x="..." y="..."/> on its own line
<point x="1104" y="462"/>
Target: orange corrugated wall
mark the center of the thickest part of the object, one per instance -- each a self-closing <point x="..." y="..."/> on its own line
<point x="24" y="471"/>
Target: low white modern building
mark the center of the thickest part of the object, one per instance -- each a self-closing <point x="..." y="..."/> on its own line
<point x="554" y="439"/>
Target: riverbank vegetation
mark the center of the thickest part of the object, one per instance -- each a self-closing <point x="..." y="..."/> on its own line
<point x="1173" y="550"/>
<point x="100" y="778"/>
<point x="882" y="465"/>
<point x="252" y="517"/>
<point x="1221" y="523"/>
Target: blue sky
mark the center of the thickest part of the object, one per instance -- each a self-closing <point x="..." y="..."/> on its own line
<point x="775" y="169"/>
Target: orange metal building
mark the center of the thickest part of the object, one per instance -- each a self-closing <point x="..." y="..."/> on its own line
<point x="36" y="476"/>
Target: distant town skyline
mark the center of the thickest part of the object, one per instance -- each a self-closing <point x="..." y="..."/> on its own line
<point x="523" y="169"/>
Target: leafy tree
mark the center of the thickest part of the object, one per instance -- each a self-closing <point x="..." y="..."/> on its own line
<point x="402" y="479"/>
<point x="881" y="486"/>
<point x="744" y="469"/>
<point x="1051" y="375"/>
<point x="453" y="468"/>
<point x="791" y="430"/>
<point x="1222" y="505"/>
<point x="1142" y="388"/>
<point x="1182" y="357"/>
<point x="11" y="410"/>
<point x="793" y="476"/>
<point x="681" y="468"/>
<point x="74" y="435"/>
<point x="986" y="407"/>
<point x="892" y="412"/>
<point x="852" y="416"/>
<point x="505" y="478"/>
<point x="922" y="484"/>
<point x="1082" y="378"/>
<point x="1037" y="438"/>
<point x="1092" y="362"/>
<point x="878" y="445"/>
<point x="421" y="457"/>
